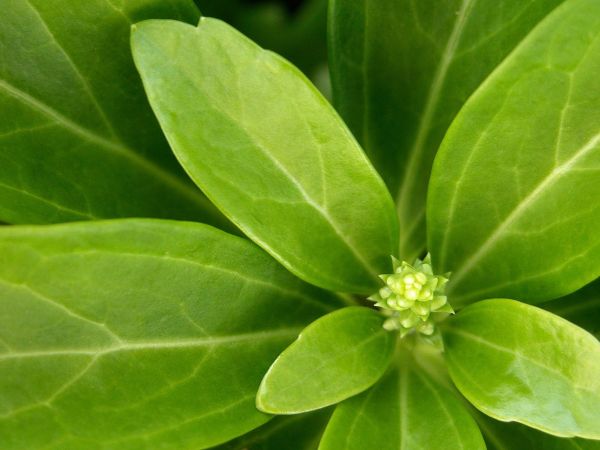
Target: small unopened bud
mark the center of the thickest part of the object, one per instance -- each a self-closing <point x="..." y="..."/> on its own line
<point x="411" y="296"/>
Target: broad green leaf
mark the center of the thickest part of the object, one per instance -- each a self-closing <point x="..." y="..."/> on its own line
<point x="516" y="362"/>
<point x="297" y="432"/>
<point x="511" y="436"/>
<point x="406" y="410"/>
<point x="77" y="137"/>
<point x="138" y="333"/>
<point x="336" y="357"/>
<point x="513" y="208"/>
<point x="401" y="70"/>
<point x="270" y="151"/>
<point x="582" y="307"/>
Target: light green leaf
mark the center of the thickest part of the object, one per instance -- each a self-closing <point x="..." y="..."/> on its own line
<point x="120" y="334"/>
<point x="516" y="362"/>
<point x="297" y="432"/>
<point x="336" y="357"/>
<point x="511" y="436"/>
<point x="513" y="207"/>
<point x="269" y="150"/>
<point x="406" y="410"/>
<point x="77" y="137"/>
<point x="401" y="70"/>
<point x="582" y="307"/>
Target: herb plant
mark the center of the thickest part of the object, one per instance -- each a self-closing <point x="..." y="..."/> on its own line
<point x="385" y="302"/>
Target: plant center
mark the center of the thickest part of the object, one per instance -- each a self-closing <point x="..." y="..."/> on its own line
<point x="412" y="297"/>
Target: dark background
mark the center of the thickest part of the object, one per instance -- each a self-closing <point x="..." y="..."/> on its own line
<point x="291" y="5"/>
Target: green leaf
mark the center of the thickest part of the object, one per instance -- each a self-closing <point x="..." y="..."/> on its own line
<point x="269" y="150"/>
<point x="511" y="209"/>
<point x="582" y="307"/>
<point x="336" y="357"/>
<point x="77" y="137"/>
<point x="516" y="362"/>
<point x="120" y="334"/>
<point x="401" y="70"/>
<point x="405" y="410"/>
<point x="297" y="432"/>
<point x="511" y="436"/>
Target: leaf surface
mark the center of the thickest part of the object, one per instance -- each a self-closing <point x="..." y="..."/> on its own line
<point x="405" y="410"/>
<point x="513" y="207"/>
<point x="297" y="432"/>
<point x="510" y="436"/>
<point x="336" y="357"/>
<point x="581" y="307"/>
<point x="78" y="139"/>
<point x="401" y="70"/>
<point x="120" y="334"/>
<point x="270" y="151"/>
<point x="516" y="362"/>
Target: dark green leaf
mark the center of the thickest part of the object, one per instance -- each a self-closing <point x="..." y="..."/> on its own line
<point x="298" y="432"/>
<point x="516" y="362"/>
<point x="77" y="137"/>
<point x="406" y="410"/>
<point x="336" y="357"/>
<point x="514" y="436"/>
<point x="512" y="208"/>
<point x="582" y="307"/>
<point x="262" y="143"/>
<point x="139" y="333"/>
<point x="401" y="70"/>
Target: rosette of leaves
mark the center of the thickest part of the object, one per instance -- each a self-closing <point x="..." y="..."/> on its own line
<point x="157" y="333"/>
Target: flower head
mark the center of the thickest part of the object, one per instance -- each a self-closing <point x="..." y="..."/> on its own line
<point x="411" y="295"/>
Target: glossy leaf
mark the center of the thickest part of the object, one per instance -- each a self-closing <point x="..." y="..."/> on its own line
<point x="510" y="436"/>
<point x="401" y="70"/>
<point x="297" y="432"/>
<point x="77" y="137"/>
<point x="582" y="307"/>
<point x="268" y="149"/>
<point x="406" y="410"/>
<point x="336" y="357"/>
<point x="516" y="362"/>
<point x="120" y="334"/>
<point x="510" y="205"/>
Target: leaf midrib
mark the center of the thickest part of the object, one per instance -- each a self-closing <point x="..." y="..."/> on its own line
<point x="431" y="103"/>
<point x="496" y="233"/>
<point x="186" y="343"/>
<point x="117" y="148"/>
<point x="500" y="348"/>
<point x="322" y="210"/>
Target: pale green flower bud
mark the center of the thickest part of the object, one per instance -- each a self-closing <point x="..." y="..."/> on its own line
<point x="411" y="295"/>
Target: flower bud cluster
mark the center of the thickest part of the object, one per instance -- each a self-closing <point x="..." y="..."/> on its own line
<point x="411" y="295"/>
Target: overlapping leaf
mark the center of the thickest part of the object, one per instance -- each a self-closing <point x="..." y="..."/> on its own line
<point x="516" y="362"/>
<point x="336" y="357"/>
<point x="77" y="137"/>
<point x="270" y="151"/>
<point x="129" y="333"/>
<point x="512" y="207"/>
<point x="401" y="70"/>
<point x="405" y="410"/>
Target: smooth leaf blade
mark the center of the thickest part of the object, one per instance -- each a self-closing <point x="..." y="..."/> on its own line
<point x="504" y="436"/>
<point x="338" y="356"/>
<point x="297" y="432"/>
<point x="405" y="410"/>
<point x="115" y="334"/>
<point x="268" y="149"/>
<point x="401" y="70"/>
<point x="502" y="214"/>
<point x="516" y="362"/>
<point x="78" y="140"/>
